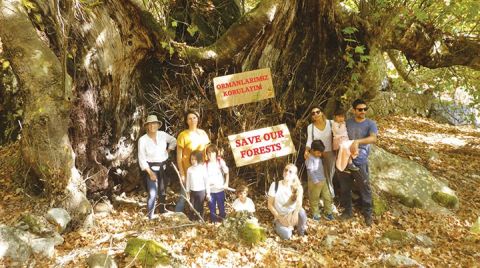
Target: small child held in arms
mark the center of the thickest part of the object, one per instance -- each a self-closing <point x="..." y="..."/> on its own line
<point x="218" y="177"/>
<point x="243" y="202"/>
<point x="197" y="183"/>
<point x="347" y="149"/>
<point x="317" y="185"/>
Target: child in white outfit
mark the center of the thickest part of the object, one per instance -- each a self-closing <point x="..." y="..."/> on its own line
<point x="197" y="184"/>
<point x="347" y="149"/>
<point x="218" y="177"/>
<point x="243" y="203"/>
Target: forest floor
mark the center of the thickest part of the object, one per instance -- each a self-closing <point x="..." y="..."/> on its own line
<point x="450" y="153"/>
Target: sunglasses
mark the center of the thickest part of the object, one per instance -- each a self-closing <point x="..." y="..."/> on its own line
<point x="362" y="109"/>
<point x="288" y="171"/>
<point x="315" y="112"/>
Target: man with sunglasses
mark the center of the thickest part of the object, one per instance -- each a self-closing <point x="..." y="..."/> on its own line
<point x="364" y="132"/>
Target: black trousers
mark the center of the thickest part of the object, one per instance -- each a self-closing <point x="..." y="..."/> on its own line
<point x="362" y="182"/>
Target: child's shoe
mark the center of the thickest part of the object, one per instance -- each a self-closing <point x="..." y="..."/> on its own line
<point x="352" y="167"/>
<point x="329" y="217"/>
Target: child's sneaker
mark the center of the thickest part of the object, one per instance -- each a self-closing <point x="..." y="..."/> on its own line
<point x="316" y="217"/>
<point x="329" y="217"/>
<point x="352" y="167"/>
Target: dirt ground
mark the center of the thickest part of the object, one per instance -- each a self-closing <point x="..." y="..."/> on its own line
<point x="450" y="153"/>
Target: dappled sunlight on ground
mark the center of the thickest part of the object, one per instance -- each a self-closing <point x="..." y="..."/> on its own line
<point x="450" y="153"/>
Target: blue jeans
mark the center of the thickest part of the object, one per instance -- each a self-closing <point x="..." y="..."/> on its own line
<point x="180" y="206"/>
<point x="217" y="199"/>
<point x="361" y="180"/>
<point x="154" y="187"/>
<point x="285" y="232"/>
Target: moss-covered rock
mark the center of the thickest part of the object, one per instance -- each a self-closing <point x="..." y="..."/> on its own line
<point x="409" y="201"/>
<point x="379" y="206"/>
<point x="242" y="226"/>
<point x="445" y="199"/>
<point x="252" y="233"/>
<point x="476" y="227"/>
<point x="408" y="181"/>
<point x="35" y="224"/>
<point x="397" y="235"/>
<point x="149" y="252"/>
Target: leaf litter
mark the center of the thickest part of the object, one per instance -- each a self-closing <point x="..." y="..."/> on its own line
<point x="451" y="153"/>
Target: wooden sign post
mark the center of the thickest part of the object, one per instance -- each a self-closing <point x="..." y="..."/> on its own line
<point x="241" y="88"/>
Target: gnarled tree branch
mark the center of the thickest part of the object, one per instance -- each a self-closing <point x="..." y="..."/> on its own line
<point x="235" y="38"/>
<point x="432" y="48"/>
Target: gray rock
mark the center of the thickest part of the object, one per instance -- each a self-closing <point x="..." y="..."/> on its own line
<point x="59" y="217"/>
<point x="35" y="224"/>
<point x="424" y="240"/>
<point x="12" y="246"/>
<point x="100" y="260"/>
<point x="397" y="260"/>
<point x="407" y="180"/>
<point x="43" y="246"/>
<point x="389" y="102"/>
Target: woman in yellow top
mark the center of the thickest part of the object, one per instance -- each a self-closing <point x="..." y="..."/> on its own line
<point x="189" y="140"/>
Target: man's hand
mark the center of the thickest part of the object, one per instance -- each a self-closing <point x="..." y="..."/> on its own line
<point x="151" y="175"/>
<point x="208" y="197"/>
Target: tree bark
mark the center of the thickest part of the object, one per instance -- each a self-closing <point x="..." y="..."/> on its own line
<point x="45" y="145"/>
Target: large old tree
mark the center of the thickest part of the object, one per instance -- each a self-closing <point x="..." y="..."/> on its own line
<point x="88" y="71"/>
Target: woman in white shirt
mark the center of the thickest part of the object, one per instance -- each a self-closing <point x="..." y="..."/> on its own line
<point x="321" y="129"/>
<point x="152" y="155"/>
<point x="285" y="202"/>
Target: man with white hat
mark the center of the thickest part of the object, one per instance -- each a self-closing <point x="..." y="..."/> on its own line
<point x="153" y="150"/>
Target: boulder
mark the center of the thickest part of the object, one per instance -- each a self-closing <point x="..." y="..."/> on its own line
<point x="12" y="246"/>
<point x="410" y="182"/>
<point x="101" y="260"/>
<point x="59" y="217"/>
<point x="148" y="252"/>
<point x="22" y="243"/>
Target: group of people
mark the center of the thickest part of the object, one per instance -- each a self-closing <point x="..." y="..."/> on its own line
<point x="334" y="147"/>
<point x="337" y="147"/>
<point x="204" y="175"/>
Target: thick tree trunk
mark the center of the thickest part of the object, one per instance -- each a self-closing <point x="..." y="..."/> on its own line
<point x="45" y="145"/>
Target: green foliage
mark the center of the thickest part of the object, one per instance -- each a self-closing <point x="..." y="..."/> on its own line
<point x="192" y="29"/>
<point x="354" y="54"/>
